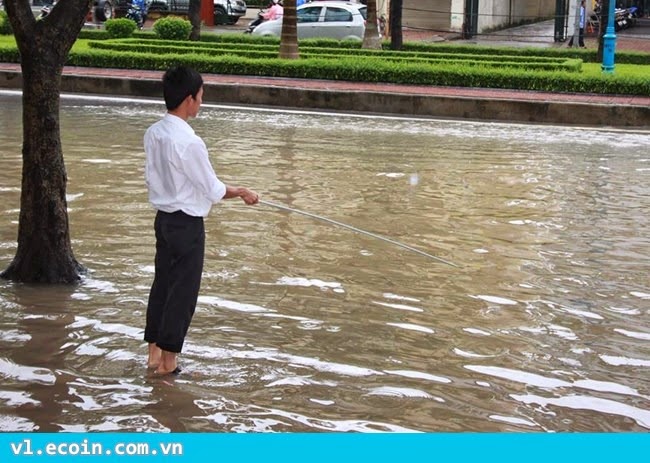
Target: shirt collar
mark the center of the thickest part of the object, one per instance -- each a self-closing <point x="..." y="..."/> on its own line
<point x="178" y="122"/>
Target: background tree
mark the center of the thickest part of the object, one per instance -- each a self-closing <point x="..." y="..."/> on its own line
<point x="194" y="15"/>
<point x="44" y="252"/>
<point x="395" y="14"/>
<point x="371" y="37"/>
<point x="289" y="37"/>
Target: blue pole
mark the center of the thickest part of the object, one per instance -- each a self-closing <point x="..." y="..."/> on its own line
<point x="609" y="40"/>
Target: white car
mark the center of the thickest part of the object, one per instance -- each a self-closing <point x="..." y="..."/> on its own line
<point x="335" y="20"/>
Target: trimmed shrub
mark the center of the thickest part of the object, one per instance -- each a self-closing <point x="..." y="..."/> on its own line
<point x="5" y="25"/>
<point x="165" y="47"/>
<point x="173" y="28"/>
<point x="443" y="64"/>
<point x="373" y="70"/>
<point x="120" y="28"/>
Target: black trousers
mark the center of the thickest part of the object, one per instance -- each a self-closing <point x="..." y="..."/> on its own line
<point x="180" y="249"/>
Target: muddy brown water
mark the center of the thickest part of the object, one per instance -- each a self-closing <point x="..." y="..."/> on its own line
<point x="305" y="327"/>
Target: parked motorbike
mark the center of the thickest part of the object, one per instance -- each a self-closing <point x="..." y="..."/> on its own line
<point x="45" y="10"/>
<point x="137" y="14"/>
<point x="625" y="17"/>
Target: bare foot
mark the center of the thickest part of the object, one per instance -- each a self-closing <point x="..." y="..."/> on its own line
<point x="167" y="364"/>
<point x="175" y="372"/>
<point x="155" y="355"/>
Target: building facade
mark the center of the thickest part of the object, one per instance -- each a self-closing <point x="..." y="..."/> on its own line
<point x="470" y="17"/>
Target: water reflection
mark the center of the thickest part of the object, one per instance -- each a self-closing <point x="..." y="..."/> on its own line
<point x="306" y="327"/>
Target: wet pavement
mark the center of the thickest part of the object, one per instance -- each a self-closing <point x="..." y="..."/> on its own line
<point x="540" y="34"/>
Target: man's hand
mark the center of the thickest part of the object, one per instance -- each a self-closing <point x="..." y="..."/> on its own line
<point x="249" y="196"/>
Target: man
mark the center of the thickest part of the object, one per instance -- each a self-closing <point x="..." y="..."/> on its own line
<point x="182" y="188"/>
<point x="581" y="25"/>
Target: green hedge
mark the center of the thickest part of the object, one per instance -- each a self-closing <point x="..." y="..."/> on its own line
<point x="465" y="53"/>
<point x="120" y="27"/>
<point x="271" y="51"/>
<point x="5" y="25"/>
<point x="372" y="67"/>
<point x="173" y="28"/>
<point x="586" y="55"/>
<point x="589" y="55"/>
<point x="353" y="69"/>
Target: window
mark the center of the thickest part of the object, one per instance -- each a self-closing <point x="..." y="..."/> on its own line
<point x="364" y="13"/>
<point x="309" y="15"/>
<point x="337" y="15"/>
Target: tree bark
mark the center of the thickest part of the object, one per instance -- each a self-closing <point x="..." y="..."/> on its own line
<point x="396" y="39"/>
<point x="371" y="37"/>
<point x="194" y="13"/>
<point x="44" y="253"/>
<point x="289" y="37"/>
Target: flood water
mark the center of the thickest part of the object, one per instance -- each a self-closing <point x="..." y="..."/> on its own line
<point x="306" y="327"/>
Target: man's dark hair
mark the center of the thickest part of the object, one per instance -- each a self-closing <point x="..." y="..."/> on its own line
<point x="178" y="83"/>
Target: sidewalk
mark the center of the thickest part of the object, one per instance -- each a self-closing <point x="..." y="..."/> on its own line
<point x="540" y="34"/>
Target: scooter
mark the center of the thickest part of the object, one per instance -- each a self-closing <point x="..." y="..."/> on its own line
<point x="255" y="22"/>
<point x="45" y="10"/>
<point x="260" y="17"/>
<point x="135" y="13"/>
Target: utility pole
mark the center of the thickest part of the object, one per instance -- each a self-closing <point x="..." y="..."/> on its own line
<point x="395" y="16"/>
<point x="560" y="17"/>
<point x="609" y="40"/>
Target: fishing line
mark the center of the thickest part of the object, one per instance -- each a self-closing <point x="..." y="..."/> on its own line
<point x="357" y="230"/>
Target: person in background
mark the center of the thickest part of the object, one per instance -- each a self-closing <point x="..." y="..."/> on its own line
<point x="182" y="188"/>
<point x="581" y="33"/>
<point x="274" y="12"/>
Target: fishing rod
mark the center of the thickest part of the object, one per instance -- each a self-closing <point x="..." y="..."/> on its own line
<point x="358" y="230"/>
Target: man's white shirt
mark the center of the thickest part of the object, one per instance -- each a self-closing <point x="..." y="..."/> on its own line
<point x="178" y="171"/>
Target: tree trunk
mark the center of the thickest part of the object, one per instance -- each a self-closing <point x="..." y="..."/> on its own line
<point x="194" y="13"/>
<point x="396" y="39"/>
<point x="44" y="253"/>
<point x="289" y="37"/>
<point x="371" y="37"/>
